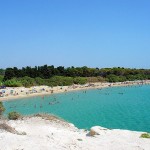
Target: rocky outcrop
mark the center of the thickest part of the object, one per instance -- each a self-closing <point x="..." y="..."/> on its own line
<point x="7" y="128"/>
<point x="97" y="130"/>
<point x="47" y="133"/>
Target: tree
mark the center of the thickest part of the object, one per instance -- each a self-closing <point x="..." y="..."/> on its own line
<point x="61" y="70"/>
<point x="2" y="72"/>
<point x="9" y="74"/>
<point x="47" y="72"/>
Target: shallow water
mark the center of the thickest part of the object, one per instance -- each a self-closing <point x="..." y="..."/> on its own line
<point x="116" y="107"/>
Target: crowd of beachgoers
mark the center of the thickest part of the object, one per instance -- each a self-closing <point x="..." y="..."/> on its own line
<point x="22" y="92"/>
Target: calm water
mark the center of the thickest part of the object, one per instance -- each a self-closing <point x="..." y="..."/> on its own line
<point x="117" y="107"/>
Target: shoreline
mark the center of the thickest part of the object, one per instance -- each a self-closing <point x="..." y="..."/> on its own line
<point x="84" y="87"/>
<point x="51" y="133"/>
<point x="14" y="93"/>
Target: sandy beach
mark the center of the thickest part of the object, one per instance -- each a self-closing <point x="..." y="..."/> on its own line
<point x="50" y="133"/>
<point x="22" y="92"/>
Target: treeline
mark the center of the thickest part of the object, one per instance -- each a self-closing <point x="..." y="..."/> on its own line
<point x="50" y="75"/>
<point x="45" y="72"/>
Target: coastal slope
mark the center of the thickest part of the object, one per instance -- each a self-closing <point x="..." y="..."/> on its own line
<point x="50" y="133"/>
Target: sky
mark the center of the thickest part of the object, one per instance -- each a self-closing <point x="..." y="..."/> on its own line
<point x="93" y="33"/>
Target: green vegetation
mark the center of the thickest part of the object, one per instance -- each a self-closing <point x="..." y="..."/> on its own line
<point x="2" y="72"/>
<point x="51" y="76"/>
<point x="1" y="79"/>
<point x="145" y="135"/>
<point x="13" y="83"/>
<point x="115" y="78"/>
<point x="13" y="115"/>
<point x="53" y="81"/>
<point x="2" y="109"/>
<point x="80" y="80"/>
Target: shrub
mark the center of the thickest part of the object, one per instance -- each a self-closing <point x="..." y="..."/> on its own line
<point x="80" y="80"/>
<point x="27" y="81"/>
<point x="60" y="80"/>
<point x="145" y="135"/>
<point x="115" y="78"/>
<point x="13" y="115"/>
<point x="13" y="83"/>
<point x="95" y="79"/>
<point x="40" y="81"/>
<point x="101" y="79"/>
<point x="2" y="109"/>
<point x="66" y="81"/>
<point x="1" y="79"/>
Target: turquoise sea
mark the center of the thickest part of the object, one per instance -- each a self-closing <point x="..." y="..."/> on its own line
<point x="114" y="107"/>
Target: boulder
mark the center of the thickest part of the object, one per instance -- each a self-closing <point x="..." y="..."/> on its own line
<point x="97" y="130"/>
